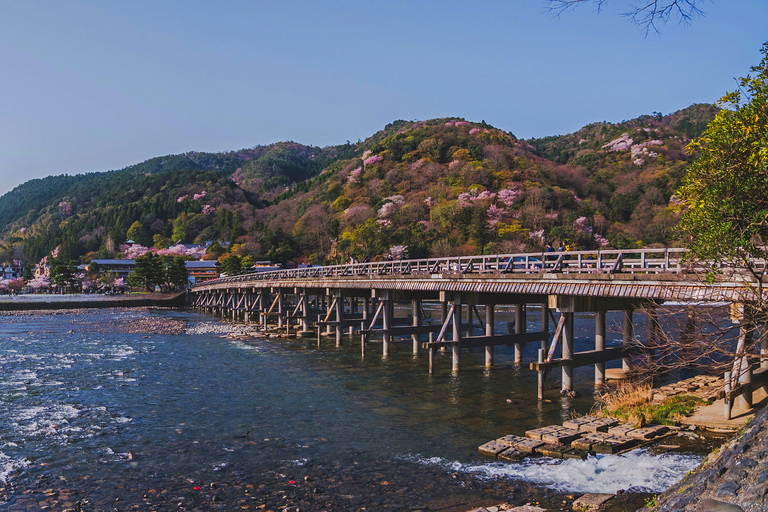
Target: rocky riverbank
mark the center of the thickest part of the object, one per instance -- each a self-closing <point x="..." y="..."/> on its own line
<point x="57" y="302"/>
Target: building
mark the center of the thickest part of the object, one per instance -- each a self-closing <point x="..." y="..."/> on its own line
<point x="121" y="268"/>
<point x="203" y="270"/>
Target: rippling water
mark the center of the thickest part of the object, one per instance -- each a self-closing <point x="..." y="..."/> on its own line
<point x="103" y="420"/>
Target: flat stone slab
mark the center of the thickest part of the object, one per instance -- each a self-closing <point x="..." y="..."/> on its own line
<point x="556" y="451"/>
<point x="493" y="448"/>
<point x="599" y="425"/>
<point x="528" y="445"/>
<point x="574" y="423"/>
<point x="563" y="436"/>
<point x="511" y="439"/>
<point x="648" y="432"/>
<point x="511" y="454"/>
<point x="538" y="432"/>
<point x="621" y="430"/>
<point x="591" y="501"/>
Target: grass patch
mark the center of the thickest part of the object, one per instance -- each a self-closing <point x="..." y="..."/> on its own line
<point x="633" y="404"/>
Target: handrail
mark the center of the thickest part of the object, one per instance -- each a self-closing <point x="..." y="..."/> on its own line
<point x="653" y="261"/>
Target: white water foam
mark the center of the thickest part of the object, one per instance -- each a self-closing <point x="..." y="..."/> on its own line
<point x="9" y="465"/>
<point x="601" y="474"/>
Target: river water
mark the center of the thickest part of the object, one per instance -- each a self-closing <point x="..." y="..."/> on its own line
<point x="92" y="418"/>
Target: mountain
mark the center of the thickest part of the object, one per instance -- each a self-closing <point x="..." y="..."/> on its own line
<point x="440" y="187"/>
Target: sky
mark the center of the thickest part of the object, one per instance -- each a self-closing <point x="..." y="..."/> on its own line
<point x="91" y="86"/>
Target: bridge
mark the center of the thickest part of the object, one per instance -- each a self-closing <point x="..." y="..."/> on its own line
<point x="467" y="291"/>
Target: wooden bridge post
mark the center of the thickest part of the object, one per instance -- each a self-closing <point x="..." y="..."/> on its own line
<point x="352" y="312"/>
<point x="279" y="308"/>
<point x="415" y="321"/>
<point x="265" y="303"/>
<point x="339" y="314"/>
<point x="628" y="338"/>
<point x="600" y="346"/>
<point x="520" y="328"/>
<point x="489" y="331"/>
<point x="567" y="353"/>
<point x="386" y="321"/>
<point x="456" y="347"/>
<point x="545" y="323"/>
<point x="745" y="376"/>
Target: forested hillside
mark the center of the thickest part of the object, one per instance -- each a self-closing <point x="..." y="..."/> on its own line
<point x="426" y="188"/>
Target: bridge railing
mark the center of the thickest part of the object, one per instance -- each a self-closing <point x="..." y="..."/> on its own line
<point x="665" y="260"/>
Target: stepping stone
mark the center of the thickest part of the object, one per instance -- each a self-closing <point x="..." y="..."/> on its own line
<point x="613" y="444"/>
<point x="493" y="448"/>
<point x="538" y="432"/>
<point x="511" y="440"/>
<point x="563" y="436"/>
<point x="648" y="432"/>
<point x="556" y="451"/>
<point x="528" y="445"/>
<point x="599" y="425"/>
<point x="576" y="454"/>
<point x="621" y="430"/>
<point x="511" y="454"/>
<point x="591" y="501"/>
<point x="574" y="423"/>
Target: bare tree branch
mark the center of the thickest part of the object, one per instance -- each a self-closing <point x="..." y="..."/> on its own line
<point x="647" y="15"/>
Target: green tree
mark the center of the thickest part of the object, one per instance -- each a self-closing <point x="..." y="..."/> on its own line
<point x="137" y="233"/>
<point x="725" y="217"/>
<point x="176" y="271"/>
<point x="231" y="265"/>
<point x="149" y="272"/>
<point x="63" y="273"/>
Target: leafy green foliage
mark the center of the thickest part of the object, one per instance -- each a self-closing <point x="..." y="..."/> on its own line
<point x="726" y="208"/>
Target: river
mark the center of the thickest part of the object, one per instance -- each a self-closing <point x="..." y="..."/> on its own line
<point x="95" y="418"/>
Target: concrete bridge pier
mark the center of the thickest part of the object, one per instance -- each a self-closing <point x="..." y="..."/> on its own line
<point x="456" y="347"/>
<point x="520" y="327"/>
<point x="415" y="322"/>
<point x="600" y="346"/>
<point x="567" y="352"/>
<point x="489" y="331"/>
<point x="628" y="335"/>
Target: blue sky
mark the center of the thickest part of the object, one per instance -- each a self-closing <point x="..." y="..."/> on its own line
<point x="98" y="85"/>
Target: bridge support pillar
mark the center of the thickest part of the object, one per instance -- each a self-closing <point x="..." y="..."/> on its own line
<point x="520" y="322"/>
<point x="415" y="321"/>
<point x="386" y="320"/>
<point x="567" y="353"/>
<point x="628" y="338"/>
<point x="456" y="347"/>
<point x="489" y="331"/>
<point x="745" y="367"/>
<point x="545" y="324"/>
<point x="339" y="315"/>
<point x="279" y="308"/>
<point x="600" y="346"/>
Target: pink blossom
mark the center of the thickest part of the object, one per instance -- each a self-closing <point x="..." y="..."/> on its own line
<point x="181" y="198"/>
<point x="385" y="222"/>
<point x="426" y="224"/>
<point x="119" y="282"/>
<point x="65" y="208"/>
<point x="39" y="282"/>
<point x="509" y="195"/>
<point x="464" y="199"/>
<point x="208" y="209"/>
<point x="430" y="202"/>
<point x="55" y="252"/>
<point x="675" y="201"/>
<point x="366" y="154"/>
<point x="449" y="123"/>
<point x="135" y="251"/>
<point x="199" y="196"/>
<point x="582" y="224"/>
<point x="372" y="160"/>
<point x="494" y="215"/>
<point x="398" y="252"/>
<point x="23" y="230"/>
<point x="485" y="194"/>
<point x="354" y="174"/>
<point x="552" y="216"/>
<point x="622" y="143"/>
<point x="474" y="131"/>
<point x="461" y="123"/>
<point x="454" y="164"/>
<point x="537" y="236"/>
<point x="418" y="164"/>
<point x="601" y="241"/>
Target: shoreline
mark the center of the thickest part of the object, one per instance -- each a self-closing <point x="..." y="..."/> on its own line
<point x="85" y="301"/>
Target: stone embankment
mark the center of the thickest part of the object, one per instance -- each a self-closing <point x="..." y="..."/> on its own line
<point x="733" y="479"/>
<point x="49" y="302"/>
